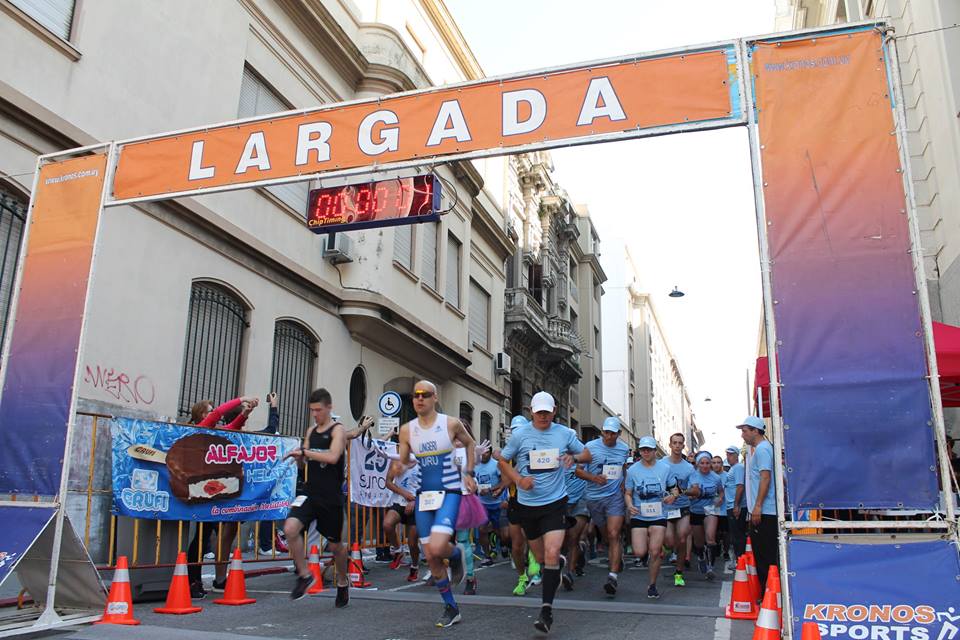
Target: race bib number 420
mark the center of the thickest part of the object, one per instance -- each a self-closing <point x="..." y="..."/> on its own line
<point x="544" y="459"/>
<point x="612" y="471"/>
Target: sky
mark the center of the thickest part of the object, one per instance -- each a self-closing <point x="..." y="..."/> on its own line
<point x="684" y="203"/>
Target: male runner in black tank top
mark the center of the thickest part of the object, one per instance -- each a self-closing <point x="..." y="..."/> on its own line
<point x="321" y="497"/>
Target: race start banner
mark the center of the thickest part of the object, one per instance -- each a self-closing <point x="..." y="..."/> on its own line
<point x="368" y="473"/>
<point x="883" y="591"/>
<point x="176" y="472"/>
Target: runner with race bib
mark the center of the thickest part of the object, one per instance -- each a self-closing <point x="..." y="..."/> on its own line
<point x="646" y="487"/>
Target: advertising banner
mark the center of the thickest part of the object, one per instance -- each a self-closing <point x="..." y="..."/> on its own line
<point x="544" y="108"/>
<point x="42" y="362"/>
<point x="176" y="472"/>
<point x="21" y="527"/>
<point x="883" y="591"/>
<point x="850" y="345"/>
<point x="368" y="473"/>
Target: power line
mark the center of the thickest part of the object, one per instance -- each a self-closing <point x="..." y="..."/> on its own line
<point x="920" y="33"/>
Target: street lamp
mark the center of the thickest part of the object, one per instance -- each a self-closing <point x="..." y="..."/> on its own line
<point x="676" y="293"/>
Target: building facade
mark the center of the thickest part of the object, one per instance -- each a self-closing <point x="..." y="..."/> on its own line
<point x="928" y="46"/>
<point x="642" y="380"/>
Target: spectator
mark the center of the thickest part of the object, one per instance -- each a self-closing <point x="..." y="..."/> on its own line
<point x="761" y="496"/>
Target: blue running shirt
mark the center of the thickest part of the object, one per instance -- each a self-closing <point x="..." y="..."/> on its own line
<point x="608" y="462"/>
<point x="552" y="442"/>
<point x="679" y="477"/>
<point x="488" y="476"/>
<point x="710" y="485"/>
<point x="730" y="482"/>
<point x="647" y="487"/>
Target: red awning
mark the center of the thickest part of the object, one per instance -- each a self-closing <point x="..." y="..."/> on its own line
<point x="946" y="339"/>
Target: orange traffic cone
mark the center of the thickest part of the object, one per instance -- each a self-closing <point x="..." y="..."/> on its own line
<point x="119" y="609"/>
<point x="178" y="596"/>
<point x="768" y="622"/>
<point x="773" y="584"/>
<point x="753" y="578"/>
<point x="742" y="604"/>
<point x="236" y="592"/>
<point x="749" y="548"/>
<point x="810" y="631"/>
<point x="355" y="569"/>
<point x="313" y="565"/>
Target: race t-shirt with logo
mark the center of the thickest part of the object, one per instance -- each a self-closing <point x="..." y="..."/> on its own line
<point x="730" y="482"/>
<point x="679" y="477"/>
<point x="487" y="475"/>
<point x="607" y="462"/>
<point x="575" y="485"/>
<point x="761" y="460"/>
<point x="537" y="454"/>
<point x="722" y="507"/>
<point x="710" y="487"/>
<point x="410" y="481"/>
<point x="647" y="487"/>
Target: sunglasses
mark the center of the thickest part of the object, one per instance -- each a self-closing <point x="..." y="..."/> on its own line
<point x="423" y="394"/>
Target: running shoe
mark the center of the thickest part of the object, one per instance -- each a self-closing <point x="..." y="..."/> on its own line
<point x="672" y="559"/>
<point x="652" y="592"/>
<point x="209" y="555"/>
<point x="449" y="617"/>
<point x="343" y="597"/>
<point x="219" y="586"/>
<point x="197" y="592"/>
<point x="711" y="575"/>
<point x="545" y="620"/>
<point x="504" y="552"/>
<point x="455" y="563"/>
<point x="299" y="587"/>
<point x="567" y="580"/>
<point x="414" y="575"/>
<point x="678" y="580"/>
<point x="702" y="565"/>
<point x="636" y="563"/>
<point x="487" y="562"/>
<point x="280" y="542"/>
<point x="535" y="580"/>
<point x="533" y="567"/>
<point x="471" y="587"/>
<point x="430" y="581"/>
<point x="610" y="586"/>
<point x="397" y="560"/>
<point x="522" y="583"/>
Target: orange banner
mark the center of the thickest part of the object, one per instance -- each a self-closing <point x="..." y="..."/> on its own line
<point x="545" y="108"/>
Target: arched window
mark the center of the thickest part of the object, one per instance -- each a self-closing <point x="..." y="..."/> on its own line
<point x="486" y="426"/>
<point x="13" y="213"/>
<point x="214" y="344"/>
<point x="466" y="413"/>
<point x="294" y="355"/>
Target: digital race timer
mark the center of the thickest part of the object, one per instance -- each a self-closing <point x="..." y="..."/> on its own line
<point x="374" y="204"/>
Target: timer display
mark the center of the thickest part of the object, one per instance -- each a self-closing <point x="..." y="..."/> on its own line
<point x="374" y="204"/>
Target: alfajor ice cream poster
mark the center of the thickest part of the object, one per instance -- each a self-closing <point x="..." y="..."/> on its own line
<point x="178" y="472"/>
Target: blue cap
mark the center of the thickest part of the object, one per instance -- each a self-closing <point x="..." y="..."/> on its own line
<point x="703" y="454"/>
<point x="647" y="442"/>
<point x="518" y="421"/>
<point x="612" y="424"/>
<point x="753" y="421"/>
<point x="732" y="449"/>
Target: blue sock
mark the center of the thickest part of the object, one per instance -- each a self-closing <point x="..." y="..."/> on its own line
<point x="446" y="593"/>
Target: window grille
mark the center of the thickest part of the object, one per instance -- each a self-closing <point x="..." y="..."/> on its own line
<point x="13" y="215"/>
<point x="294" y="355"/>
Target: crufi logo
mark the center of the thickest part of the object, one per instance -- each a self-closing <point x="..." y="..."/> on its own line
<point x="6" y="558"/>
<point x="884" y="622"/>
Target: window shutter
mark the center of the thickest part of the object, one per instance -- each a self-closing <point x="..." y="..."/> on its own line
<point x="403" y="245"/>
<point x="453" y="271"/>
<point x="430" y="254"/>
<point x="55" y="15"/>
<point x="479" y="316"/>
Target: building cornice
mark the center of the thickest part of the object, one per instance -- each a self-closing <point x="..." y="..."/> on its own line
<point x="450" y="33"/>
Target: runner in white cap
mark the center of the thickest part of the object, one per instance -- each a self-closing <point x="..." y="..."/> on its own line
<point x="645" y="487"/>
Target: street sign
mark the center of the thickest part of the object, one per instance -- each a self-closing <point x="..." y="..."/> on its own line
<point x="386" y="426"/>
<point x="389" y="403"/>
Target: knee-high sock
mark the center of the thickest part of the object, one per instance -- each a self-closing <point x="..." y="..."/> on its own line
<point x="551" y="580"/>
<point x="443" y="586"/>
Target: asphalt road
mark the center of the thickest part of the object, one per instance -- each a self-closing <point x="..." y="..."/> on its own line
<point x="399" y="610"/>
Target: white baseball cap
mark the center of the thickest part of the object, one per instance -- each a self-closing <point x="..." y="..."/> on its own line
<point x="542" y="401"/>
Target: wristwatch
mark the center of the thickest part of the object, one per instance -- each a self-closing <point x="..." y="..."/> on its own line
<point x="469" y="472"/>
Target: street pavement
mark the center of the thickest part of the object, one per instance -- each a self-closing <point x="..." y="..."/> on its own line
<point x="399" y="610"/>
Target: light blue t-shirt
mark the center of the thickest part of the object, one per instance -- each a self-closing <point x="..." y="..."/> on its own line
<point x="730" y="482"/>
<point x="679" y="477"/>
<point x="722" y="508"/>
<point x="488" y="473"/>
<point x="609" y="459"/>
<point x="647" y="486"/>
<point x="710" y="486"/>
<point x="761" y="460"/>
<point x="575" y="485"/>
<point x="549" y="485"/>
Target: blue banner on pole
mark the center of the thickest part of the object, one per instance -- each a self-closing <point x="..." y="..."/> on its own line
<point x="21" y="527"/>
<point x="176" y="472"/>
<point x="883" y="591"/>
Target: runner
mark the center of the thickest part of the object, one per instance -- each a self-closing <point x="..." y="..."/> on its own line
<point x="541" y="452"/>
<point x="578" y="516"/>
<point x="678" y="506"/>
<point x="489" y="487"/>
<point x="527" y="568"/>
<point x="430" y="437"/>
<point x="723" y="535"/>
<point x="322" y="498"/>
<point x="736" y="501"/>
<point x="706" y="489"/>
<point x="645" y="487"/>
<point x="404" y="481"/>
<point x="604" y="493"/>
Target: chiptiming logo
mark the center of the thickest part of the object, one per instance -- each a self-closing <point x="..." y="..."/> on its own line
<point x="884" y="622"/>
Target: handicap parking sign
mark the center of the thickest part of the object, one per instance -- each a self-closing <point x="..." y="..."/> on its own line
<point x="389" y="403"/>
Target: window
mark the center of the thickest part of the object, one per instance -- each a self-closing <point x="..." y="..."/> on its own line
<point x="535" y="282"/>
<point x="596" y="387"/>
<point x="358" y="393"/>
<point x="257" y="99"/>
<point x="596" y="290"/>
<point x="430" y="254"/>
<point x="486" y="425"/>
<point x="574" y="291"/>
<point x="403" y="245"/>
<point x="596" y="338"/>
<point x="574" y="320"/>
<point x="13" y="214"/>
<point x="294" y="355"/>
<point x="479" y="316"/>
<point x="55" y="15"/>
<point x="211" y="362"/>
<point x="466" y="413"/>
<point x="453" y="270"/>
<point x="512" y="271"/>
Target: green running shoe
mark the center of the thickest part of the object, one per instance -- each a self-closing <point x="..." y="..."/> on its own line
<point x="533" y="567"/>
<point x="521" y="588"/>
<point x="678" y="580"/>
